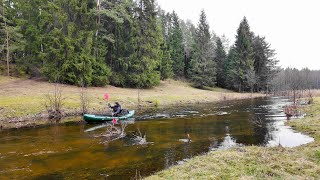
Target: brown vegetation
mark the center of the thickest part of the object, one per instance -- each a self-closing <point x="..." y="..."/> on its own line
<point x="22" y="99"/>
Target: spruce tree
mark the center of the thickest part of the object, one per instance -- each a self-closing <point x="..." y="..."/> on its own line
<point x="176" y="46"/>
<point x="166" y="62"/>
<point x="220" y="61"/>
<point x="68" y="46"/>
<point x="232" y="69"/>
<point x="166" y="68"/>
<point x="143" y="70"/>
<point x="265" y="64"/>
<point x="203" y="65"/>
<point x="188" y="32"/>
<point x="243" y="46"/>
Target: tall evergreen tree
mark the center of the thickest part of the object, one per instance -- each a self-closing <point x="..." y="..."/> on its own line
<point x="166" y="69"/>
<point x="176" y="46"/>
<point x="203" y="65"/>
<point x="166" y="62"/>
<point x="243" y="46"/>
<point x="116" y="36"/>
<point x="220" y="61"/>
<point x="69" y="43"/>
<point x="188" y="33"/>
<point x="145" y="60"/>
<point x="265" y="64"/>
<point x="232" y="69"/>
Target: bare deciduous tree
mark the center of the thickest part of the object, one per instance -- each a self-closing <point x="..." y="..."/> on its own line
<point x="54" y="102"/>
<point x="84" y="99"/>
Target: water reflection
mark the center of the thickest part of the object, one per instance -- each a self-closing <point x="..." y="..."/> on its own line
<point x="279" y="134"/>
<point x="276" y="132"/>
<point x="171" y="136"/>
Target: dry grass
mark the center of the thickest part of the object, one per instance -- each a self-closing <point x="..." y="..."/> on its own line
<point x="23" y="97"/>
<point x="258" y="162"/>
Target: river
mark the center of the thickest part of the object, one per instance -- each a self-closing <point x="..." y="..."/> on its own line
<point x="78" y="150"/>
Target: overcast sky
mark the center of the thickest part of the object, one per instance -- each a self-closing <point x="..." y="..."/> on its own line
<point x="292" y="27"/>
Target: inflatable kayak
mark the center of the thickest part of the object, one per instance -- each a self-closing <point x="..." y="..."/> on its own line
<point x="101" y="118"/>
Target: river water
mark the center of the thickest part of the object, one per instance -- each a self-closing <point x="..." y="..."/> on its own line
<point x="74" y="150"/>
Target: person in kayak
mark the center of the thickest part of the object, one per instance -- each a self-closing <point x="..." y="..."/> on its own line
<point x="116" y="109"/>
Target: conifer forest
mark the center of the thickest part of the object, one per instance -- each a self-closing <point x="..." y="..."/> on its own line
<point x="128" y="43"/>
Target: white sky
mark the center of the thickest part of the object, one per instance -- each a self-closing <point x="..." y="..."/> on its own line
<point x="292" y="27"/>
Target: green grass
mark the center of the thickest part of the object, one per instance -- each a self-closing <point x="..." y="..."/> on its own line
<point x="23" y="106"/>
<point x="17" y="106"/>
<point x="254" y="162"/>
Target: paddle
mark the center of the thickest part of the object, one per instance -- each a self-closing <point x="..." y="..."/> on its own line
<point x="106" y="97"/>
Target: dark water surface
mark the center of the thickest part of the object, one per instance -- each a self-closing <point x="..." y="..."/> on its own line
<point x="74" y="151"/>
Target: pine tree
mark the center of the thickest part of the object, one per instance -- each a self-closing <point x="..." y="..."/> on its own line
<point x="176" y="46"/>
<point x="203" y="65"/>
<point x="220" y="61"/>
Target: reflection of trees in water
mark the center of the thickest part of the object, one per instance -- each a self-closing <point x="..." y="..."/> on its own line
<point x="264" y="124"/>
<point x="169" y="157"/>
<point x="246" y="122"/>
<point x="225" y="143"/>
<point x="259" y="124"/>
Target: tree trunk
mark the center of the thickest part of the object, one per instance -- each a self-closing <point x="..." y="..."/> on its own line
<point x="7" y="39"/>
<point x="294" y="97"/>
<point x="99" y="17"/>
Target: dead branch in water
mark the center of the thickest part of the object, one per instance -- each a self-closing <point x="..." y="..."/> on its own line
<point x="258" y="122"/>
<point x="139" y="138"/>
<point x="113" y="132"/>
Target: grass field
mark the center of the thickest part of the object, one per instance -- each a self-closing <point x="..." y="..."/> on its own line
<point x="24" y="98"/>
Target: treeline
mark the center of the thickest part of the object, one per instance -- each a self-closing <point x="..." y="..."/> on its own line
<point x="292" y="79"/>
<point x="127" y="43"/>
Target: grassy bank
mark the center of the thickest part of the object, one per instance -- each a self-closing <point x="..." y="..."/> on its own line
<point x="254" y="162"/>
<point x="22" y="100"/>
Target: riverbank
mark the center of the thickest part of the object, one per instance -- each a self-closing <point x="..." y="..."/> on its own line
<point x="254" y="162"/>
<point x="22" y="100"/>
